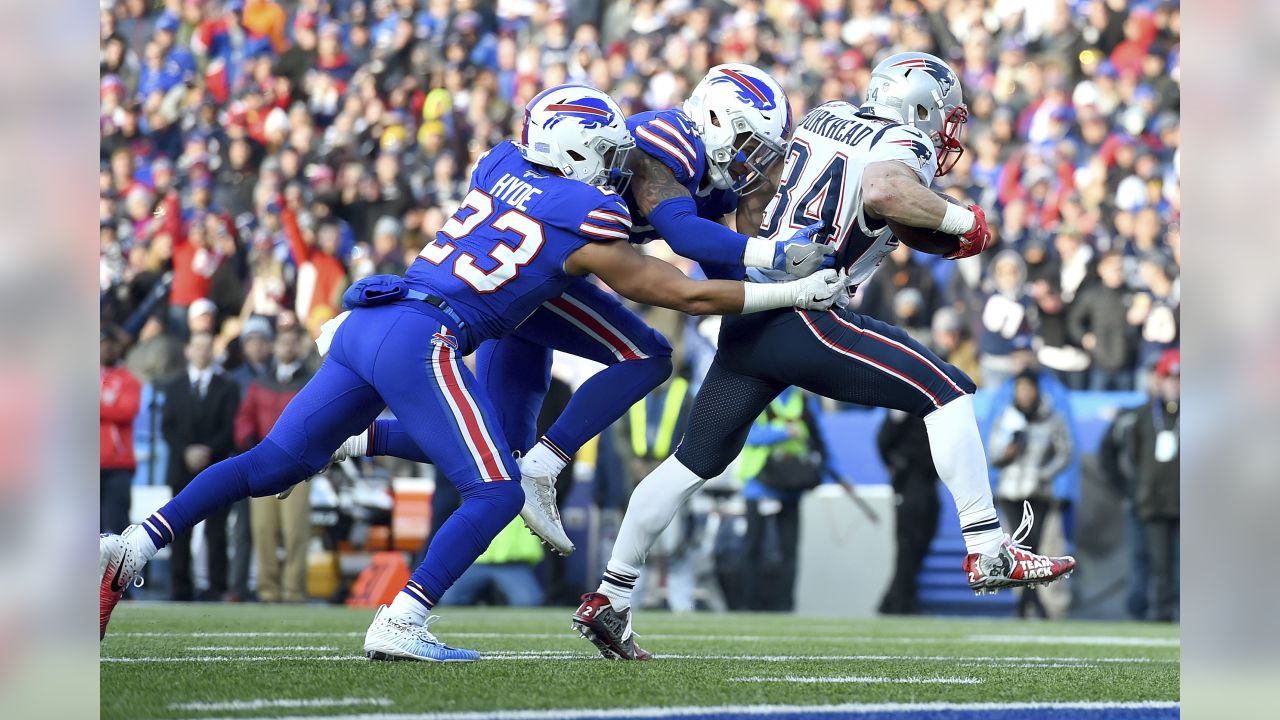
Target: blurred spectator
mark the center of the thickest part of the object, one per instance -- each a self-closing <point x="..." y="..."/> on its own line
<point x="198" y="423"/>
<point x="948" y="338"/>
<point x="1116" y="463"/>
<point x="119" y="398"/>
<point x="1030" y="445"/>
<point x="903" y="443"/>
<point x="785" y="455"/>
<point x="1097" y="323"/>
<point x="1009" y="319"/>
<point x="276" y="522"/>
<point x="1155" y="456"/>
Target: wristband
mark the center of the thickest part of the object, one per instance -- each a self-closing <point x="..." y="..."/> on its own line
<point x="957" y="221"/>
<point x="767" y="296"/>
<point x="759" y="253"/>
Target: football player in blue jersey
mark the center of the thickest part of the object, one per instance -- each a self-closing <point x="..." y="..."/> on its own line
<point x="527" y="230"/>
<point x="691" y="169"/>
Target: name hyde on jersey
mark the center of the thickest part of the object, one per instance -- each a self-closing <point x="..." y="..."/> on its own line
<point x="514" y="191"/>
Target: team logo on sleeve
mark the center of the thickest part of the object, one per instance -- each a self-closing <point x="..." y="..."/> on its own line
<point x="591" y="112"/>
<point x="922" y="151"/>
<point x="946" y="79"/>
<point x="749" y="89"/>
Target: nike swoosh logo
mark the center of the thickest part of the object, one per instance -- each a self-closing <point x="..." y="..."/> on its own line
<point x="116" y="585"/>
<point x="798" y="263"/>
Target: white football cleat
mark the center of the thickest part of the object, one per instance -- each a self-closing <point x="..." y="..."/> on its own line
<point x="118" y="566"/>
<point x="540" y="513"/>
<point x="393" y="638"/>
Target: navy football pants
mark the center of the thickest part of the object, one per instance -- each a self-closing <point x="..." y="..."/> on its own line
<point x="838" y="354"/>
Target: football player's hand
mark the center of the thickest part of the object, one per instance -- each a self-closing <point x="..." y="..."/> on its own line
<point x="977" y="239"/>
<point x="820" y="290"/>
<point x="803" y="253"/>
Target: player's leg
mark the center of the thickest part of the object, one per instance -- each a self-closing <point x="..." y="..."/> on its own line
<point x="439" y="404"/>
<point x="335" y="403"/>
<point x="726" y="405"/>
<point x="590" y="323"/>
<point x="858" y="359"/>
<point x="513" y="371"/>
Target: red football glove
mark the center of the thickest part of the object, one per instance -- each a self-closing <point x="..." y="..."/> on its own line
<point x="977" y="239"/>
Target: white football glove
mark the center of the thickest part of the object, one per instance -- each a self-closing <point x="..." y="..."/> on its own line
<point x="327" y="331"/>
<point x="820" y="290"/>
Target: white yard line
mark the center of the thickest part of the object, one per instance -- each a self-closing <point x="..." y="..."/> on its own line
<point x="1076" y="640"/>
<point x="858" y="679"/>
<point x="846" y="709"/>
<point x="264" y="648"/>
<point x="265" y="704"/>
<point x="1116" y="640"/>
<point x="974" y="660"/>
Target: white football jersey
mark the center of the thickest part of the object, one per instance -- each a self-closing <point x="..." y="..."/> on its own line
<point x="822" y="180"/>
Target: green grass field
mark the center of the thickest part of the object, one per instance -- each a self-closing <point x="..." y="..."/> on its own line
<point x="249" y="661"/>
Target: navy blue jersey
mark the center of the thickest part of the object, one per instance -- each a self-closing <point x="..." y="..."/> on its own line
<point x="669" y="137"/>
<point x="502" y="253"/>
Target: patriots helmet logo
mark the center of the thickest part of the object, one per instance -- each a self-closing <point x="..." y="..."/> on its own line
<point x="946" y="79"/>
<point x="922" y="151"/>
<point x="748" y="89"/>
<point x="591" y="112"/>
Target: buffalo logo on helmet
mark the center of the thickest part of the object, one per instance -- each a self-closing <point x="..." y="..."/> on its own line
<point x="590" y="112"/>
<point x="946" y="79"/>
<point x="749" y="90"/>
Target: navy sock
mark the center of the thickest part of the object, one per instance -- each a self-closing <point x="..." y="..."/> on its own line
<point x="486" y="509"/>
<point x="264" y="470"/>
<point x="603" y="398"/>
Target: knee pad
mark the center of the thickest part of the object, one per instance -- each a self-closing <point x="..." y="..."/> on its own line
<point x="271" y="470"/>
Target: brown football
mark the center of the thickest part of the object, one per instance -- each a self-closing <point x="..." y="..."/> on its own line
<point x="927" y="241"/>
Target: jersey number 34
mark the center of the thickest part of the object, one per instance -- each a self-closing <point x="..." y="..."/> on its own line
<point x="508" y="258"/>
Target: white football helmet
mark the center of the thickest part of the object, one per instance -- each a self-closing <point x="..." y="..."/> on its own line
<point x="579" y="132"/>
<point x="922" y="91"/>
<point x="744" y="119"/>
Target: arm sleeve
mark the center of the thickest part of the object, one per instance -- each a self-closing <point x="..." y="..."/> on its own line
<point x="126" y="404"/>
<point x="677" y="221"/>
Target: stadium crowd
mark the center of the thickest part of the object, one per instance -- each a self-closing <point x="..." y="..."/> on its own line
<point x="258" y="156"/>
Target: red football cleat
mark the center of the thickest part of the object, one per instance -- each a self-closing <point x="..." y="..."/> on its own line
<point x="1015" y="565"/>
<point x="118" y="566"/>
<point x="610" y="630"/>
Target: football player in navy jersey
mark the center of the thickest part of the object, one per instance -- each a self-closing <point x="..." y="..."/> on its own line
<point x="692" y="168"/>
<point x="856" y="169"/>
<point x="539" y="215"/>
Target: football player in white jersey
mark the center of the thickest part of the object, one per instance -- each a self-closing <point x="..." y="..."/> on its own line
<point x="857" y="169"/>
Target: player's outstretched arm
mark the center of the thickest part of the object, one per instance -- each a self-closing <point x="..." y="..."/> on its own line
<point x="673" y="213"/>
<point x="651" y="281"/>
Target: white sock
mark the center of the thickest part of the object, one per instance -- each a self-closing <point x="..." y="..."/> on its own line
<point x="543" y="461"/>
<point x="408" y="607"/>
<point x="650" y="510"/>
<point x="356" y="445"/>
<point x="961" y="462"/>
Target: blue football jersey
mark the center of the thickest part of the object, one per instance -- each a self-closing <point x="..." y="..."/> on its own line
<point x="502" y="253"/>
<point x="668" y="136"/>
